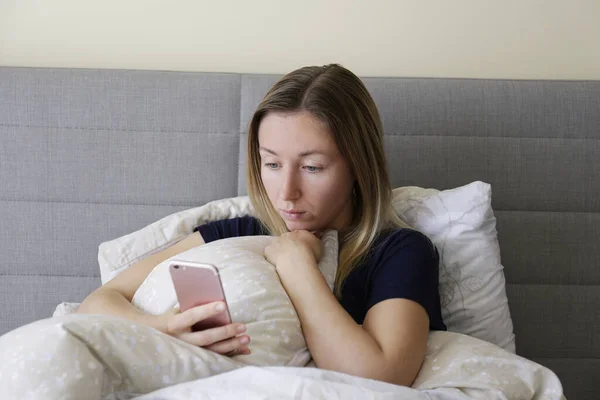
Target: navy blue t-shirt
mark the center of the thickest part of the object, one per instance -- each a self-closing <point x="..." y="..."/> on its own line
<point x="402" y="263"/>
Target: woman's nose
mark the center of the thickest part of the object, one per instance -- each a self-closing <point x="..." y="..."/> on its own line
<point x="290" y="189"/>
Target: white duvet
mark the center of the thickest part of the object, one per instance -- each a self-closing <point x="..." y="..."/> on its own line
<point x="456" y="367"/>
<point x="100" y="357"/>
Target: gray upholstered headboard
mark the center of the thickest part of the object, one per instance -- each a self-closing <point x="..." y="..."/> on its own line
<point x="90" y="155"/>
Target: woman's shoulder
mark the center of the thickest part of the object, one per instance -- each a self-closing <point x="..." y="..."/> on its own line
<point x="401" y="245"/>
<point x="404" y="237"/>
<point x="241" y="221"/>
<point x="231" y="227"/>
<point x="401" y="253"/>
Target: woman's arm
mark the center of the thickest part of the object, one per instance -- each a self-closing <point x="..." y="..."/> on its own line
<point x="390" y="346"/>
<point x="114" y="298"/>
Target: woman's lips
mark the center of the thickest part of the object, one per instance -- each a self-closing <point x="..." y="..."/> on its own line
<point x="292" y="215"/>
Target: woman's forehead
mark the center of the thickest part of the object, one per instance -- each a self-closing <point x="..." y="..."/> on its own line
<point x="299" y="131"/>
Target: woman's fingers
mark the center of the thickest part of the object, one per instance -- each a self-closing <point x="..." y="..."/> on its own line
<point x="185" y="320"/>
<point x="226" y="339"/>
<point x="231" y="347"/>
<point x="238" y="352"/>
<point x="317" y="233"/>
<point x="213" y="336"/>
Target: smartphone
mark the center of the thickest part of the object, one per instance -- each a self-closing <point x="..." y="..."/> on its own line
<point x="197" y="284"/>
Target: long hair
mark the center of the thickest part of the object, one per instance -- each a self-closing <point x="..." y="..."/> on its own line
<point x="339" y="99"/>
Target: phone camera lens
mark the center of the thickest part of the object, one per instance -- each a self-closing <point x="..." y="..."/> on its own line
<point x="176" y="266"/>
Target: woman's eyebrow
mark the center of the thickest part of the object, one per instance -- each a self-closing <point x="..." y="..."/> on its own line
<point x="303" y="154"/>
<point x="267" y="150"/>
<point x="311" y="152"/>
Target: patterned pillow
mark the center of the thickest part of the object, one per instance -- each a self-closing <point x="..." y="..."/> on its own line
<point x="253" y="291"/>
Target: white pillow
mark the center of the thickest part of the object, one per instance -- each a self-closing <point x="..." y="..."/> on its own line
<point x="116" y="255"/>
<point x="253" y="292"/>
<point x="461" y="224"/>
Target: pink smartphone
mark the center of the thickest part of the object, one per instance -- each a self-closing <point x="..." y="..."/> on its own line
<point x="197" y="284"/>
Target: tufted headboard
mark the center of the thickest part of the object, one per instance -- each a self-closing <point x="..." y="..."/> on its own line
<point x="90" y="155"/>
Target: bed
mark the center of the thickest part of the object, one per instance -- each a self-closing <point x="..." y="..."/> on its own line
<point x="90" y="155"/>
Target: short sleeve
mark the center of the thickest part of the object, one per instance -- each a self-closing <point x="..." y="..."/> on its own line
<point x="234" y="227"/>
<point x="407" y="267"/>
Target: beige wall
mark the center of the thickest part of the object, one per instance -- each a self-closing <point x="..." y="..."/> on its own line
<point x="552" y="39"/>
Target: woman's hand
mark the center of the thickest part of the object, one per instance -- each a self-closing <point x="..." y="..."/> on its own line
<point x="296" y="246"/>
<point x="223" y="340"/>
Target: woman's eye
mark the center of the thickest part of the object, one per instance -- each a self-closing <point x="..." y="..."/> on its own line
<point x="311" y="168"/>
<point x="271" y="165"/>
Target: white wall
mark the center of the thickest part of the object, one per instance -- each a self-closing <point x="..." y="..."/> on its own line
<point x="552" y="39"/>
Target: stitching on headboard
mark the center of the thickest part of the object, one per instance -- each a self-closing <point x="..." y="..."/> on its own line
<point x="58" y="275"/>
<point x="239" y="150"/>
<point x="97" y="202"/>
<point x="489" y="137"/>
<point x="238" y="184"/>
<point x="92" y="128"/>
<point x="240" y="104"/>
<point x="198" y="205"/>
<point x="240" y="132"/>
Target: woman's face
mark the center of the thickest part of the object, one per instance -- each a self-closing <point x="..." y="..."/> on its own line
<point x="307" y="180"/>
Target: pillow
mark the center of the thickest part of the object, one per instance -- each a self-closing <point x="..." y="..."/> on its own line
<point x="116" y="255"/>
<point x="461" y="224"/>
<point x="65" y="308"/>
<point x="459" y="221"/>
<point x="253" y="291"/>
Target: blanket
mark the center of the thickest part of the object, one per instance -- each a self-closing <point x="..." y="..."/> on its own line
<point x="100" y="357"/>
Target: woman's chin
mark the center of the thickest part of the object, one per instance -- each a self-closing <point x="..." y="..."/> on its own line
<point x="299" y="226"/>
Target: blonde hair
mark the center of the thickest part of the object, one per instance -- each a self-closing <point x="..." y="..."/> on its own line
<point x="339" y="99"/>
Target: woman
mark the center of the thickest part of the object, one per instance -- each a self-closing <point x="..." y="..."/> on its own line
<point x="316" y="162"/>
